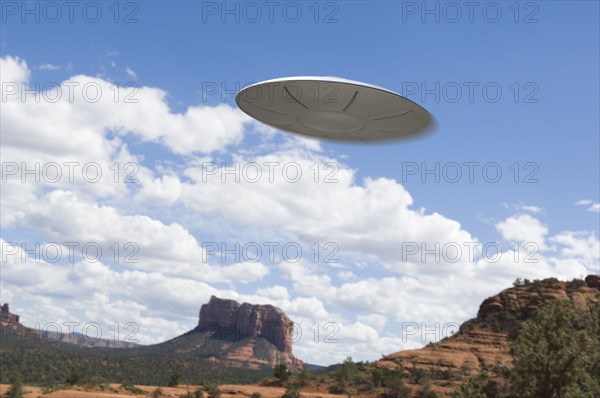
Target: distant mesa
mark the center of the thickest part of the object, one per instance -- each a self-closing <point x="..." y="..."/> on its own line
<point x="251" y="326"/>
<point x="10" y="321"/>
<point x="6" y="317"/>
<point x="228" y="333"/>
<point x="229" y="318"/>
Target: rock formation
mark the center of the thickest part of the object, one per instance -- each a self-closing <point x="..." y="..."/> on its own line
<point x="6" y="316"/>
<point x="10" y="322"/>
<point x="232" y="320"/>
<point x="483" y="343"/>
<point x="228" y="321"/>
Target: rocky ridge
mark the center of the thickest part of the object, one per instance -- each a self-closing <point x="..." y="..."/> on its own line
<point x="228" y="320"/>
<point x="483" y="343"/>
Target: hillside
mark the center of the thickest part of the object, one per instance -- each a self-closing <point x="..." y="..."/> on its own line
<point x="232" y="343"/>
<point x="483" y="343"/>
<point x="479" y="352"/>
<point x="239" y="344"/>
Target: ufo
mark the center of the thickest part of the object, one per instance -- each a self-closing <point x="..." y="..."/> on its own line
<point x="333" y="108"/>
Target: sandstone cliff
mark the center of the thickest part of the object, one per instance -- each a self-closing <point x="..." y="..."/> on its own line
<point x="231" y="319"/>
<point x="242" y="335"/>
<point x="483" y="343"/>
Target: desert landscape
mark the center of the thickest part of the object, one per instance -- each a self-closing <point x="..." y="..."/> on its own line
<point x="255" y="340"/>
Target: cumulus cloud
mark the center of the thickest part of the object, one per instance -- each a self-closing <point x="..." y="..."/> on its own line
<point x="523" y="228"/>
<point x="82" y="110"/>
<point x="318" y="199"/>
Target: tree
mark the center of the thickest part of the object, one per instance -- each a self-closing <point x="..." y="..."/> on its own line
<point x="396" y="387"/>
<point x="174" y="380"/>
<point x="292" y="392"/>
<point x="281" y="372"/>
<point x="426" y="392"/>
<point x="157" y="393"/>
<point x="518" y="282"/>
<point x="304" y="377"/>
<point x="556" y="354"/>
<point x="74" y="378"/>
<point x="213" y="391"/>
<point x="16" y="386"/>
<point x="479" y="386"/>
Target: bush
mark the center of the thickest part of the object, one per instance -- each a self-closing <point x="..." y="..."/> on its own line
<point x="292" y="392"/>
<point x="396" y="387"/>
<point x="196" y="394"/>
<point x="480" y="386"/>
<point x="16" y="386"/>
<point x="256" y="395"/>
<point x="74" y="378"/>
<point x="157" y="393"/>
<point x="174" y="380"/>
<point x="337" y="388"/>
<point x="426" y="392"/>
<point x="213" y="391"/>
<point x="281" y="372"/>
<point x="97" y="382"/>
<point x="304" y="377"/>
<point x="132" y="389"/>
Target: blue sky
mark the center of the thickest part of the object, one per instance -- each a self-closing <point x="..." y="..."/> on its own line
<point x="543" y="56"/>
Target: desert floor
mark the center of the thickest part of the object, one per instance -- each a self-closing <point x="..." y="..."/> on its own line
<point x="238" y="391"/>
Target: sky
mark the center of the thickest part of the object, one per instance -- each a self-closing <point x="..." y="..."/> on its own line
<point x="133" y="188"/>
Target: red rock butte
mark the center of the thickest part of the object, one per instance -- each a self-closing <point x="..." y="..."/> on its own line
<point x="231" y="320"/>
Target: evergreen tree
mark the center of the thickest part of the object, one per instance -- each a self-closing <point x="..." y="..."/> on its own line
<point x="556" y="354"/>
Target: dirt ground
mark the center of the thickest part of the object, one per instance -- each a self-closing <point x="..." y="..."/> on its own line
<point x="228" y="391"/>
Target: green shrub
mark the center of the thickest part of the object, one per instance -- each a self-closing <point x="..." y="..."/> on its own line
<point x="281" y="372"/>
<point x="157" y="393"/>
<point x="292" y="392"/>
<point x="213" y="391"/>
<point x="174" y="380"/>
<point x="132" y="389"/>
<point x="16" y="386"/>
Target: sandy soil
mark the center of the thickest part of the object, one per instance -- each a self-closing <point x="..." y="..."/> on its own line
<point x="228" y="390"/>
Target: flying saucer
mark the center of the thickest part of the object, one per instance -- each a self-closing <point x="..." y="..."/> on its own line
<point x="333" y="108"/>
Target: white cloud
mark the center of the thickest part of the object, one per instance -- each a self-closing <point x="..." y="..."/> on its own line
<point x="131" y="73"/>
<point x="97" y="107"/>
<point x="49" y="67"/>
<point x="594" y="207"/>
<point x="371" y="217"/>
<point x="524" y="208"/>
<point x="523" y="228"/>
